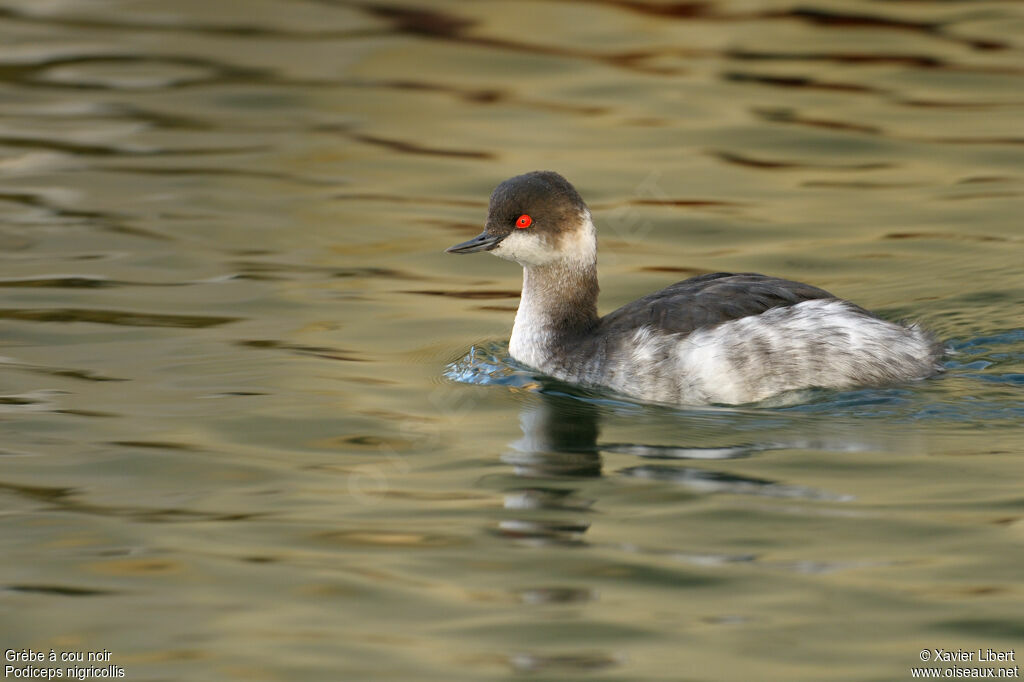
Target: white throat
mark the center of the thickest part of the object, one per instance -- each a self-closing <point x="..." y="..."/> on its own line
<point x="550" y="276"/>
<point x="577" y="246"/>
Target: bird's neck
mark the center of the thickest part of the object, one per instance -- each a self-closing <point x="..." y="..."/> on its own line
<point x="557" y="307"/>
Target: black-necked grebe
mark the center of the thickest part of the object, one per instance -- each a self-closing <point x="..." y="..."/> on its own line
<point x="717" y="338"/>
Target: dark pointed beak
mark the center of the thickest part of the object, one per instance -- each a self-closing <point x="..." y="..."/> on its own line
<point x="482" y="242"/>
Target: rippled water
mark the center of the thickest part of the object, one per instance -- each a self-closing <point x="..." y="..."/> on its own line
<point x="258" y="426"/>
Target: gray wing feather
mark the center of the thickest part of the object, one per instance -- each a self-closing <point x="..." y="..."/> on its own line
<point x="709" y="300"/>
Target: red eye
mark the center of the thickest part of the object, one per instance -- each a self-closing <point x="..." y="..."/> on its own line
<point x="524" y="221"/>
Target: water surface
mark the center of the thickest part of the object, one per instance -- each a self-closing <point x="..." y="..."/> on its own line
<point x="258" y="426"/>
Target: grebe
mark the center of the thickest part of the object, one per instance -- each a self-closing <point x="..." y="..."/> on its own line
<point x="716" y="338"/>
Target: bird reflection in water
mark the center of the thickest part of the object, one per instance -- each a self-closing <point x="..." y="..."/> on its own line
<point x="559" y="446"/>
